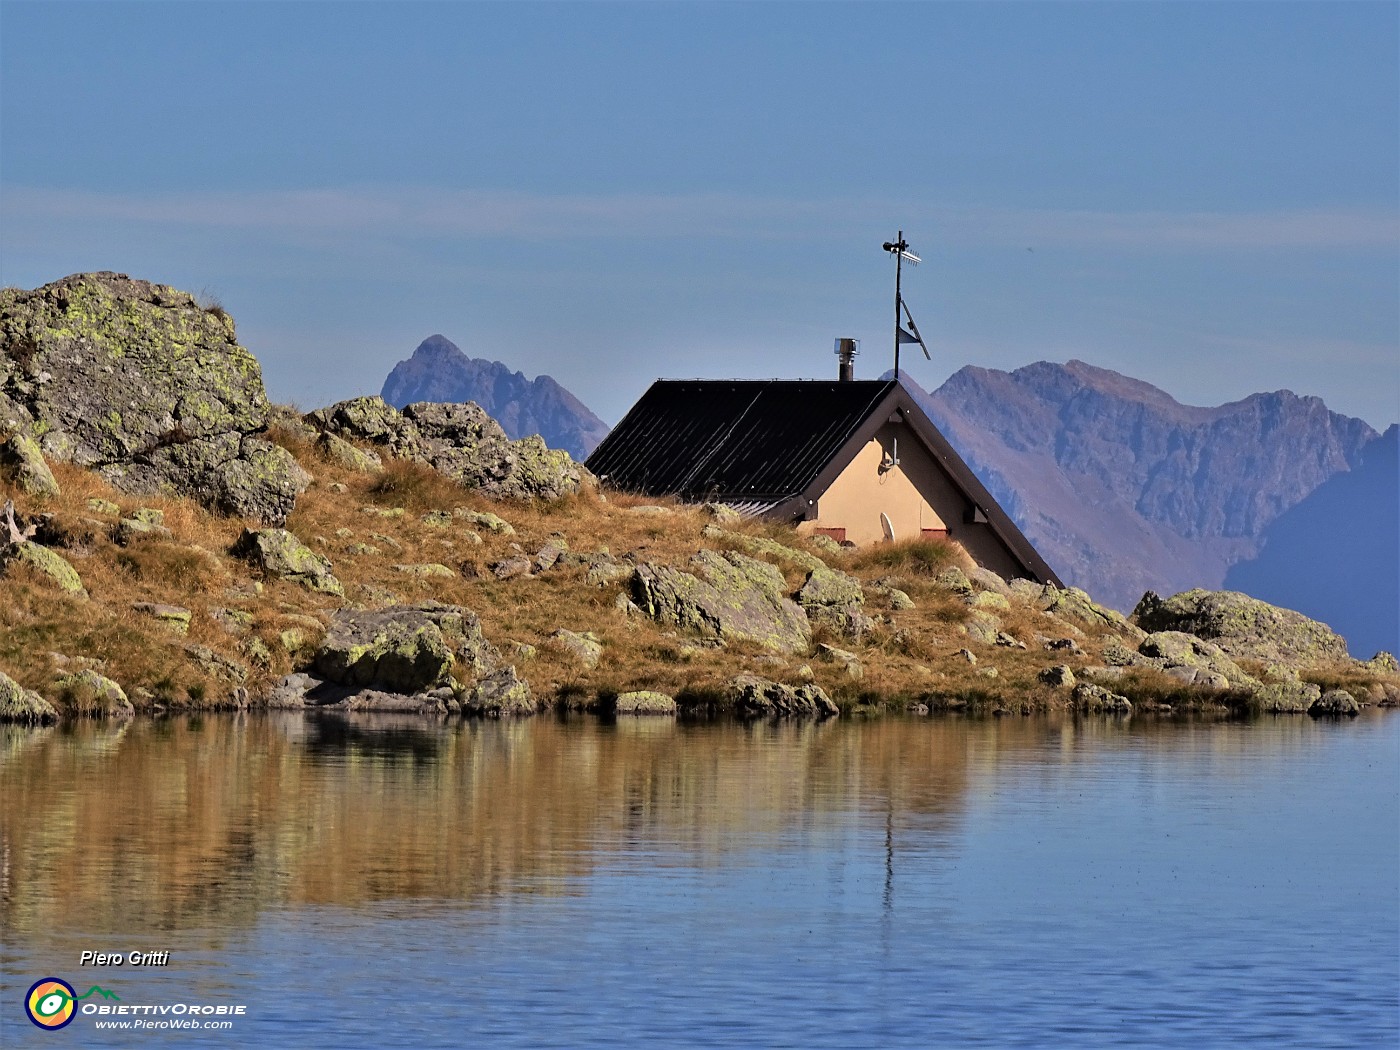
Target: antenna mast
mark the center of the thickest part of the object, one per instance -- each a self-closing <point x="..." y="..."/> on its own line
<point x="900" y="250"/>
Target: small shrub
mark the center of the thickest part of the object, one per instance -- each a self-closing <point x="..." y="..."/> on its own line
<point x="919" y="557"/>
<point x="413" y="486"/>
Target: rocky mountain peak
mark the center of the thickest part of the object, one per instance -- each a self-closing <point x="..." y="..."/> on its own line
<point x="1107" y="474"/>
<point x="439" y="371"/>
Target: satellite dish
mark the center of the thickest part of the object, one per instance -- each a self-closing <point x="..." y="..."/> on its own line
<point x="887" y="527"/>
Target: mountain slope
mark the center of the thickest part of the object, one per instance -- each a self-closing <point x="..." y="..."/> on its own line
<point x="1124" y="489"/>
<point x="1337" y="553"/>
<point x="439" y="371"/>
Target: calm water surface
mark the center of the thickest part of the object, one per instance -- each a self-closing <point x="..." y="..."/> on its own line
<point x="898" y="883"/>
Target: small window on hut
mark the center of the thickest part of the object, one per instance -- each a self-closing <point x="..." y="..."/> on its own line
<point x="934" y="534"/>
<point x="839" y="535"/>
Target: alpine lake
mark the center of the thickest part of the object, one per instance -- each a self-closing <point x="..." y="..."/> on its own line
<point x="384" y="881"/>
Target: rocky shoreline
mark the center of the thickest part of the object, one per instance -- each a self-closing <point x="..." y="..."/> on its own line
<point x="172" y="541"/>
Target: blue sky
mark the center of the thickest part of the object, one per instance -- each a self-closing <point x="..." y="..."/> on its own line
<point x="1205" y="196"/>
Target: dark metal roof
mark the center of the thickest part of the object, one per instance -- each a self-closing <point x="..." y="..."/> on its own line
<point x="733" y="439"/>
<point x="772" y="446"/>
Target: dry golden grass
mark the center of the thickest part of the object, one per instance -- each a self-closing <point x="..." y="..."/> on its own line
<point x="911" y="655"/>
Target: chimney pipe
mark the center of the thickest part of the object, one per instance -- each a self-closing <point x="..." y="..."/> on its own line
<point x="846" y="350"/>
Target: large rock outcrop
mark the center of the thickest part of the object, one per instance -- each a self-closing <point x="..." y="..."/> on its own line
<point x="1243" y="627"/>
<point x="401" y="649"/>
<point x="140" y="383"/>
<point x="735" y="598"/>
<point x="461" y="441"/>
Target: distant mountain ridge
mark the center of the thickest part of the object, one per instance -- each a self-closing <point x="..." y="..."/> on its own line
<point x="1337" y="553"/>
<point x="1124" y="489"/>
<point x="439" y="371"/>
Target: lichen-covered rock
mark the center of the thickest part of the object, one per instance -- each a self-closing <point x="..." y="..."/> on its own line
<point x="1288" y="697"/>
<point x="129" y="530"/>
<point x="895" y="598"/>
<point x="765" y="547"/>
<point x="484" y="519"/>
<point x="835" y="598"/>
<point x="1061" y="676"/>
<point x="426" y="570"/>
<point x="373" y="420"/>
<point x="172" y="617"/>
<point x="45" y="562"/>
<point x="18" y="704"/>
<point x="117" y="375"/>
<point x="461" y="441"/>
<point x="1382" y="663"/>
<point x="279" y="553"/>
<point x="722" y="513"/>
<point x="989" y="600"/>
<point x="95" y="694"/>
<point x="848" y="660"/>
<point x="21" y="459"/>
<point x="511" y="568"/>
<point x="983" y="626"/>
<point x="1336" y="702"/>
<point x="401" y="649"/>
<point x="754" y="697"/>
<point x="1242" y="626"/>
<point x="644" y="702"/>
<point x="1089" y="697"/>
<point x="233" y="474"/>
<point x="985" y="579"/>
<point x="1194" y="661"/>
<point x="955" y="580"/>
<point x="216" y="665"/>
<point x="339" y="451"/>
<point x="603" y="569"/>
<point x="501" y="694"/>
<point x="1071" y="603"/>
<point x="829" y="587"/>
<point x="585" y="647"/>
<point x="739" y="598"/>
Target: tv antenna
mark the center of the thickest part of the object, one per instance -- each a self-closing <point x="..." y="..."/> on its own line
<point x="900" y="250"/>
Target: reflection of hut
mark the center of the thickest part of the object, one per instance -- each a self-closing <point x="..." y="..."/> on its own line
<point x="856" y="460"/>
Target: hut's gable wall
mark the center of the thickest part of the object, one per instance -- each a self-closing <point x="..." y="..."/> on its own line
<point x="916" y="494"/>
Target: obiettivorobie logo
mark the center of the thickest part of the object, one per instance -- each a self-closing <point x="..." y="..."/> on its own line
<point x="52" y="1003"/>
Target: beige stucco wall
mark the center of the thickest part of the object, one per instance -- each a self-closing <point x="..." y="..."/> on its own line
<point x="856" y="499"/>
<point x="916" y="495"/>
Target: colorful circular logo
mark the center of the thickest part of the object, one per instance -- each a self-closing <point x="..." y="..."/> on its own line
<point x="50" y="1003"/>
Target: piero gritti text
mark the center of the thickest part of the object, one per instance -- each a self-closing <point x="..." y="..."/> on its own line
<point x="128" y="959"/>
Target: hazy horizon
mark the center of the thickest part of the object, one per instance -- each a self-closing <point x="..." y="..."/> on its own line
<point x="1203" y="197"/>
